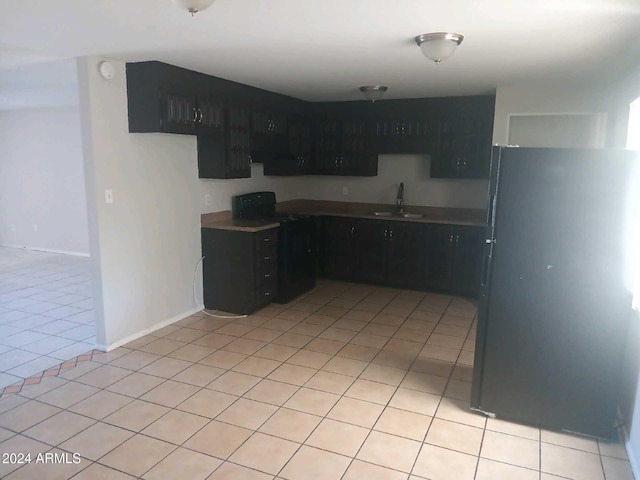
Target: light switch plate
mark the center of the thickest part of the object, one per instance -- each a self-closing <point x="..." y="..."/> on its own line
<point x="108" y="196"/>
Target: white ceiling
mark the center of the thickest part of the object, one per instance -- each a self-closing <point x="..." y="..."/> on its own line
<point x="326" y="49"/>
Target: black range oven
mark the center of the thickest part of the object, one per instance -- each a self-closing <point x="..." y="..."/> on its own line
<point x="296" y="255"/>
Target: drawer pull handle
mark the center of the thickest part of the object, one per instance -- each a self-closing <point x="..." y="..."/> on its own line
<point x="267" y="258"/>
<point x="267" y="239"/>
<point x="267" y="275"/>
<point x="266" y="294"/>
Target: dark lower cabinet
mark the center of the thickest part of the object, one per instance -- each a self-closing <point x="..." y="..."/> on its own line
<point x="453" y="258"/>
<point x="371" y="250"/>
<point x="239" y="269"/>
<point x="407" y="247"/>
<point x="339" y="247"/>
<point x="374" y="251"/>
<point x="441" y="258"/>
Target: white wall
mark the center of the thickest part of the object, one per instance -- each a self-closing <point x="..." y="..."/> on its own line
<point x="42" y="180"/>
<point x="146" y="244"/>
<point x="547" y="98"/>
<point x="413" y="170"/>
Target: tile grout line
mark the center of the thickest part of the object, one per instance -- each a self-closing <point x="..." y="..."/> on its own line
<point x="320" y="369"/>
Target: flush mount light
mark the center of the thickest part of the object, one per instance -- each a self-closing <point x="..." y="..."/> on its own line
<point x="439" y="45"/>
<point x="373" y="92"/>
<point x="193" y="6"/>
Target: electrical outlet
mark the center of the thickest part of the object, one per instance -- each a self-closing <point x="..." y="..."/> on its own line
<point x="108" y="196"/>
<point x="207" y="199"/>
<point x="345" y="190"/>
<point x="35" y="227"/>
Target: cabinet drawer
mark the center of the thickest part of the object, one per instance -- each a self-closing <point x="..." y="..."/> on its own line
<point x="267" y="259"/>
<point x="266" y="277"/>
<point x="266" y="240"/>
<point x="266" y="294"/>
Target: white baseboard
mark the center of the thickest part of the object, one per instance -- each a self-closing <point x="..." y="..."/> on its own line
<point x="631" y="453"/>
<point x="146" y="331"/>
<point x="47" y="250"/>
<point x="635" y="462"/>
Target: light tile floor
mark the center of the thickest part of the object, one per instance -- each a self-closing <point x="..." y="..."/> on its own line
<point x="350" y="382"/>
<point x="46" y="311"/>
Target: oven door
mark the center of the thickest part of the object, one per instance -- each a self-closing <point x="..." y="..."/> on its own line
<point x="296" y="259"/>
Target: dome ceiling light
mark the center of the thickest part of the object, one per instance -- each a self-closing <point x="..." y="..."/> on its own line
<point x="373" y="92"/>
<point x="439" y="45"/>
<point x="193" y="6"/>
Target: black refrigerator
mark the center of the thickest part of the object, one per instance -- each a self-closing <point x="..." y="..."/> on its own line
<point x="554" y="303"/>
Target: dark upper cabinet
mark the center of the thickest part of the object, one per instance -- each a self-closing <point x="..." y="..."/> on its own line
<point x="405" y="126"/>
<point x="339" y="247"/>
<point x="296" y="158"/>
<point x="224" y="115"/>
<point x="464" y="142"/>
<point x="343" y="146"/>
<point x="168" y="99"/>
<point x="269" y="134"/>
<point x="226" y="154"/>
<point x="453" y="259"/>
<point x="336" y="138"/>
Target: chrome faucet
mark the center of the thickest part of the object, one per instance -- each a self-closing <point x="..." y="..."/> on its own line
<point x="400" y="198"/>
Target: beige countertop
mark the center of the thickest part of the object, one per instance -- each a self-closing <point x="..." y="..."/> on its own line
<point x="223" y="221"/>
<point x="447" y="216"/>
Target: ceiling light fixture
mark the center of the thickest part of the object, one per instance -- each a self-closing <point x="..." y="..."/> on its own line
<point x="373" y="92"/>
<point x="193" y="6"/>
<point x="439" y="45"/>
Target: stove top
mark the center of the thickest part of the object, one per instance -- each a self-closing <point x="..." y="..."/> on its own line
<point x="284" y="217"/>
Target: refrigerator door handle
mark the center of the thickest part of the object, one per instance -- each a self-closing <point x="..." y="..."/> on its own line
<point x="491" y="210"/>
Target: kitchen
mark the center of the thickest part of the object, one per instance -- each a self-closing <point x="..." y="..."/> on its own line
<point x="158" y="199"/>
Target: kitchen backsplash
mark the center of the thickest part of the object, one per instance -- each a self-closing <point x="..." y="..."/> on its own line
<point x="413" y="170"/>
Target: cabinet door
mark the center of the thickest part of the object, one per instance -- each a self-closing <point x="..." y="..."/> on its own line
<point x="477" y="158"/>
<point x="467" y="261"/>
<point x="238" y="158"/>
<point x="297" y="159"/>
<point x="444" y="162"/>
<point x="405" y="135"/>
<point x="464" y="146"/>
<point x="326" y="154"/>
<point x="356" y="153"/>
<point x="371" y="250"/>
<point x="178" y="113"/>
<point x="339" y="247"/>
<point x="268" y="134"/>
<point x="210" y="117"/>
<point x="439" y="257"/>
<point x="407" y="247"/>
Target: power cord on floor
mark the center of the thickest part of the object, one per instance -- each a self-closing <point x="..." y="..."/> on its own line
<point x="195" y="297"/>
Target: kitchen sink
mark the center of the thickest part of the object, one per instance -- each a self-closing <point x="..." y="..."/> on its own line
<point x="385" y="214"/>
<point x="398" y="214"/>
